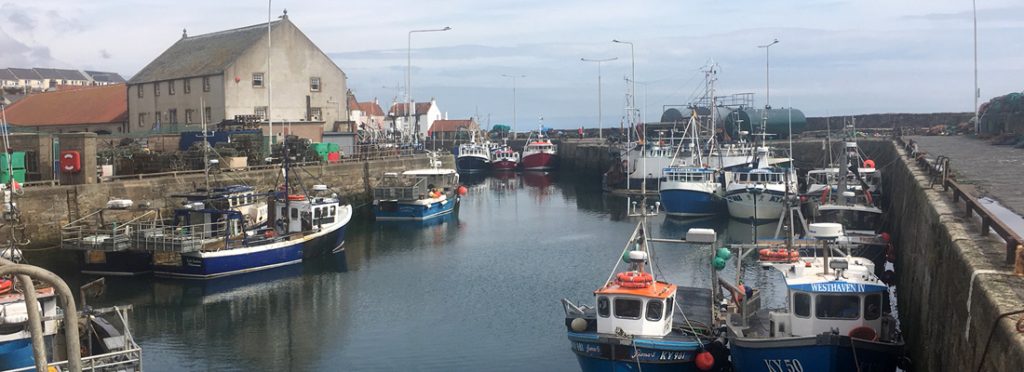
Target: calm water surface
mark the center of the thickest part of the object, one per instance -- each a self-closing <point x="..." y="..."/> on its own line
<point x="476" y="291"/>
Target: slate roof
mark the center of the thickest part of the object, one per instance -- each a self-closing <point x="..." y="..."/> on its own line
<point x="6" y="74"/>
<point x="56" y="73"/>
<point x="91" y="105"/>
<point x="25" y="73"/>
<point x="446" y="125"/>
<point x="202" y="55"/>
<point x="105" y="77"/>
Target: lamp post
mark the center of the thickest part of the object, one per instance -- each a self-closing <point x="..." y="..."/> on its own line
<point x="632" y="78"/>
<point x="767" y="85"/>
<point x="977" y="93"/>
<point x="514" y="77"/>
<point x="408" y="74"/>
<point x="600" y="127"/>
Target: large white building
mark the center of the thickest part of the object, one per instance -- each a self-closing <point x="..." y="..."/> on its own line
<point x="418" y="121"/>
<point x="219" y="75"/>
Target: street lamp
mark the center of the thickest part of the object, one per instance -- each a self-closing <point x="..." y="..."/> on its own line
<point x="977" y="93"/>
<point x="599" y="61"/>
<point x="408" y="74"/>
<point x="514" y="77"/>
<point x="767" y="86"/>
<point x="632" y="78"/>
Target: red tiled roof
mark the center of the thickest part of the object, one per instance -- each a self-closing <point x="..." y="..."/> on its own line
<point x="352" y="103"/>
<point x="371" y="108"/>
<point x="93" y="105"/>
<point x="446" y="125"/>
<point x="398" y="109"/>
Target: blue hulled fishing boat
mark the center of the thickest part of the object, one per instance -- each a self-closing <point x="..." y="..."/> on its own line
<point x="418" y="194"/>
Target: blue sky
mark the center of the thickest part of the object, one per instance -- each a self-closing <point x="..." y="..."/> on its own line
<point x="834" y="57"/>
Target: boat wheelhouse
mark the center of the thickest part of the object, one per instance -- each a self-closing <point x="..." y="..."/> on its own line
<point x="417" y="194"/>
<point x="691" y="192"/>
<point x="505" y="159"/>
<point x="760" y="192"/>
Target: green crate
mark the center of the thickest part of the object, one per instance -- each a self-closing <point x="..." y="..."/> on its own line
<point x="19" y="175"/>
<point x="17" y="160"/>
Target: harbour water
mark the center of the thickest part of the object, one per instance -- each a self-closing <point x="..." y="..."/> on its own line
<point x="476" y="291"/>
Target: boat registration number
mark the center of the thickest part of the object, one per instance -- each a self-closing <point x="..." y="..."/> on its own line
<point x="783" y="365"/>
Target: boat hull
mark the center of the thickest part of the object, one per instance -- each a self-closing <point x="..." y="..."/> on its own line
<point x="504" y="165"/>
<point x="397" y="211"/>
<point x="766" y="206"/>
<point x="691" y="203"/>
<point x="209" y="265"/>
<point x="121" y="263"/>
<point x="595" y="354"/>
<point x="826" y="353"/>
<point x="472" y="164"/>
<point x="540" y="161"/>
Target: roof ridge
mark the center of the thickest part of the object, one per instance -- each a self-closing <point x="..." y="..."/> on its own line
<point x="244" y="28"/>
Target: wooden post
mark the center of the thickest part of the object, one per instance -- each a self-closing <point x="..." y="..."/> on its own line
<point x="1018" y="267"/>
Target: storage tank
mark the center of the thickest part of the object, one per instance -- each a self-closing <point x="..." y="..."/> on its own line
<point x="777" y="121"/>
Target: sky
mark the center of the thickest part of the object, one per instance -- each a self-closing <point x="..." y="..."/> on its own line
<point x="833" y="57"/>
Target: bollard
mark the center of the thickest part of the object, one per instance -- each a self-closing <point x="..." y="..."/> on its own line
<point x="1018" y="267"/>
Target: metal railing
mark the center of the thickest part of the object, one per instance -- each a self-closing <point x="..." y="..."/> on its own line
<point x="155" y="237"/>
<point x="128" y="359"/>
<point x="939" y="173"/>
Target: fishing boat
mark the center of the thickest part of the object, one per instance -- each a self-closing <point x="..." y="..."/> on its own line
<point x="833" y="320"/>
<point x="695" y="190"/>
<point x="417" y="194"/>
<point x="15" y="338"/>
<point x="505" y="159"/>
<point x="759" y="192"/>
<point x="217" y="232"/>
<point x="633" y="325"/>
<point x="860" y="172"/>
<point x="104" y="239"/>
<point x="539" y="154"/>
<point x="473" y="156"/>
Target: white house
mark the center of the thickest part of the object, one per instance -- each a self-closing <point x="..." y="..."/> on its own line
<point x="418" y="122"/>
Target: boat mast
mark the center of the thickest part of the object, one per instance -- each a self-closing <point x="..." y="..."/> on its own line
<point x="206" y="148"/>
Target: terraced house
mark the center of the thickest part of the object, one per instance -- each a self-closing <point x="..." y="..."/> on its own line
<point x="220" y="75"/>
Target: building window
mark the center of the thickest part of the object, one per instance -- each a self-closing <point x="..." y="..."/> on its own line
<point x="257" y="80"/>
<point x="138" y="88"/>
<point x="206" y="83"/>
<point x="261" y="111"/>
<point x="314" y="84"/>
<point x="142" y="119"/>
<point x="187" y="85"/>
<point x="156" y="89"/>
<point x="315" y="114"/>
<point x="156" y="118"/>
<point x="170" y="88"/>
<point x="208" y="114"/>
<point x="172" y="114"/>
<point x="188" y="115"/>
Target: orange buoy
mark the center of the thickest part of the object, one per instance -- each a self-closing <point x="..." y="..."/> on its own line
<point x="741" y="293"/>
<point x="869" y="163"/>
<point x="5" y="285"/>
<point x="704" y="361"/>
<point x="462" y="190"/>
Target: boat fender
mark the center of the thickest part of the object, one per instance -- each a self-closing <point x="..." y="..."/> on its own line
<point x="579" y="324"/>
<point x="5" y="285"/>
<point x="824" y="194"/>
<point x="462" y="190"/>
<point x="704" y="361"/>
<point x="741" y="292"/>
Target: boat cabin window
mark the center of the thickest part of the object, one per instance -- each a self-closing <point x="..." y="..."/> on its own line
<point x="668" y="306"/>
<point x="837" y="306"/>
<point x="317" y="214"/>
<point x="603" y="307"/>
<point x="628" y="308"/>
<point x="333" y="210"/>
<point x="872" y="306"/>
<point x="802" y="305"/>
<point x="295" y="212"/>
<point x="654" y="308"/>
